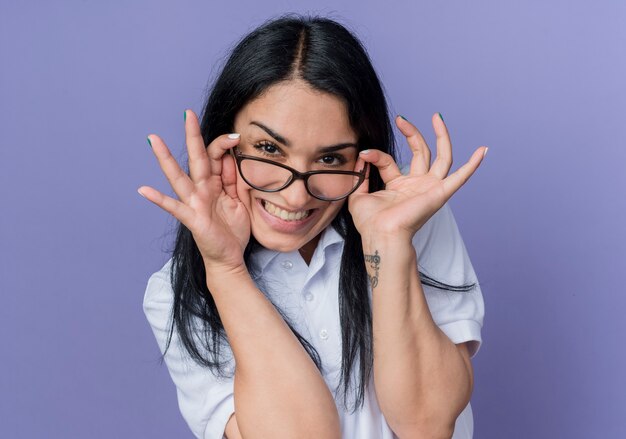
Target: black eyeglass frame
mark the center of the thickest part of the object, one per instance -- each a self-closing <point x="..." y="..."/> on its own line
<point x="297" y="175"/>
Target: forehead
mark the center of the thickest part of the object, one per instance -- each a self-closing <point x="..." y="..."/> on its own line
<point x="301" y="114"/>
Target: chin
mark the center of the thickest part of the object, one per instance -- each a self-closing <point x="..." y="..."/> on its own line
<point x="278" y="244"/>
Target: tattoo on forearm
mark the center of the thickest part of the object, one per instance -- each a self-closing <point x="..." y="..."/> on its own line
<point x="374" y="261"/>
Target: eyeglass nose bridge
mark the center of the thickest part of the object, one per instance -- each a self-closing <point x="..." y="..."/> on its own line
<point x="296" y="192"/>
<point x="297" y="175"/>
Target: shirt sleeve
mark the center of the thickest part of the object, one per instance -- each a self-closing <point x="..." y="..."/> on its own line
<point x="443" y="257"/>
<point x="205" y="401"/>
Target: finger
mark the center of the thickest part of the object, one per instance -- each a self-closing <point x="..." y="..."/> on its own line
<point x="199" y="169"/>
<point x="454" y="181"/>
<point x="179" y="210"/>
<point x="385" y="164"/>
<point x="443" y="162"/>
<point x="229" y="176"/>
<point x="179" y="180"/>
<point x="364" y="187"/>
<point x="218" y="147"/>
<point x="420" y="163"/>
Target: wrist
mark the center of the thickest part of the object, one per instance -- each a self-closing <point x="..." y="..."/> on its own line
<point x="383" y="241"/>
<point x="224" y="274"/>
<point x="390" y="252"/>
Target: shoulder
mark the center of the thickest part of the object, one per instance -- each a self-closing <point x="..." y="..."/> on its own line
<point x="158" y="291"/>
<point x="205" y="399"/>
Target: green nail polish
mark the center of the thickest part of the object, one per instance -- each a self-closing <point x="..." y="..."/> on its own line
<point x="440" y="116"/>
<point x="403" y="117"/>
<point x="185" y="115"/>
<point x="149" y="142"/>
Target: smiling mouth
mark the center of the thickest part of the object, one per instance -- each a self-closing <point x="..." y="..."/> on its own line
<point x="284" y="214"/>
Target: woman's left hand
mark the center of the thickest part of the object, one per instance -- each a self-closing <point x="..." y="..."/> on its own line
<point x="408" y="201"/>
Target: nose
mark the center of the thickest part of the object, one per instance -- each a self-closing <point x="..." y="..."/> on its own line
<point x="295" y="195"/>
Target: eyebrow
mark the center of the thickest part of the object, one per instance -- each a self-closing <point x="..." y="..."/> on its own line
<point x="281" y="139"/>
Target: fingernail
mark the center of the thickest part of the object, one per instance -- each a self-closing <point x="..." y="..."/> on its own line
<point x="365" y="151"/>
<point x="403" y="117"/>
<point x="185" y="115"/>
<point x="485" y="153"/>
<point x="234" y="136"/>
<point x="440" y="116"/>
<point x="141" y="193"/>
<point x="149" y="142"/>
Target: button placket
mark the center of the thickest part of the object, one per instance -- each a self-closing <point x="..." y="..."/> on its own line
<point x="311" y="293"/>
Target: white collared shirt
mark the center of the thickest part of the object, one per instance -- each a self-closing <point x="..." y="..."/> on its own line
<point x="308" y="295"/>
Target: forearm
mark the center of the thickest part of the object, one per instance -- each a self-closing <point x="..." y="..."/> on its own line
<point x="422" y="381"/>
<point x="279" y="391"/>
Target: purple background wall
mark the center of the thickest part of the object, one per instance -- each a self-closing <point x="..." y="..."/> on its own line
<point x="541" y="83"/>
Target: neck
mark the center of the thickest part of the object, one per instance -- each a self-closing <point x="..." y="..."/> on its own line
<point x="307" y="250"/>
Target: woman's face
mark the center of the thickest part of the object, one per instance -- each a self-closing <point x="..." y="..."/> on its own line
<point x="290" y="124"/>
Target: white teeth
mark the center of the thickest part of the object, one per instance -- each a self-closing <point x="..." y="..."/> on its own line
<point x="283" y="214"/>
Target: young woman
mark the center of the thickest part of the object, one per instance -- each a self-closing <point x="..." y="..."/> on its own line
<point x="315" y="290"/>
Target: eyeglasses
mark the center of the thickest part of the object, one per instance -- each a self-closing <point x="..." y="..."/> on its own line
<point x="269" y="176"/>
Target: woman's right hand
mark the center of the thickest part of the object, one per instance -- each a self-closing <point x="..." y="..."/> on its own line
<point x="208" y="204"/>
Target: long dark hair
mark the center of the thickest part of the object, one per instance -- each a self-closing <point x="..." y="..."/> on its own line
<point x="324" y="54"/>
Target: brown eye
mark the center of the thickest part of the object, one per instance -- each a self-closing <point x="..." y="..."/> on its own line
<point x="333" y="160"/>
<point x="267" y="148"/>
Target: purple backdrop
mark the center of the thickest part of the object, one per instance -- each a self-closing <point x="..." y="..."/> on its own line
<point x="541" y="83"/>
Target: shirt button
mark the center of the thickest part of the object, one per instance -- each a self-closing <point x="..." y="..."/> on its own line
<point x="287" y="265"/>
<point x="309" y="296"/>
<point x="324" y="334"/>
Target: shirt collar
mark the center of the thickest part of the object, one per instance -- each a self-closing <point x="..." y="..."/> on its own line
<point x="261" y="256"/>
